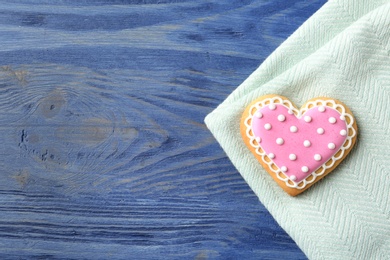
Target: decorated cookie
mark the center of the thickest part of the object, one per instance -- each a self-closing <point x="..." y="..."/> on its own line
<point x="298" y="147"/>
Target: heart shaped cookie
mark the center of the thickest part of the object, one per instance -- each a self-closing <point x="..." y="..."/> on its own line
<point x="298" y="147"/>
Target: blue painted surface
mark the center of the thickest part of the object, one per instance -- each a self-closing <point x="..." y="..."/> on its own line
<point x="104" y="154"/>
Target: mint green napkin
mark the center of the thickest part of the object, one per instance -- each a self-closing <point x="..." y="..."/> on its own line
<point x="343" y="52"/>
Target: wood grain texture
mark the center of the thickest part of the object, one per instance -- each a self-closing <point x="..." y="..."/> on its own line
<point x="104" y="154"/>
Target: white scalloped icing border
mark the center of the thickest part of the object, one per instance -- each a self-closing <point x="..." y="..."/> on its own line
<point x="299" y="113"/>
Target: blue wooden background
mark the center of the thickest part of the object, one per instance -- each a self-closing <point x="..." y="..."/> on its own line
<point x="104" y="153"/>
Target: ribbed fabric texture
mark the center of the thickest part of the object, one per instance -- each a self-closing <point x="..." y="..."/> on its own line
<point x="343" y="52"/>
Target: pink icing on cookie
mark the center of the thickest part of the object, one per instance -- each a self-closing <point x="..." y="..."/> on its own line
<point x="299" y="145"/>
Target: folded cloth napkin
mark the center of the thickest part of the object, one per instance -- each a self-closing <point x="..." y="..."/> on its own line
<point x="343" y="52"/>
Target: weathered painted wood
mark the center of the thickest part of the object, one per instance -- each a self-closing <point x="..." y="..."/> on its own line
<point x="104" y="154"/>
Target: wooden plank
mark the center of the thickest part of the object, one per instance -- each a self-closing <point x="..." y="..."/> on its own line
<point x="104" y="153"/>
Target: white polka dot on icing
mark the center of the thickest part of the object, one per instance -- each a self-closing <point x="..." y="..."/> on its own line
<point x="284" y="168"/>
<point x="293" y="129"/>
<point x="331" y="146"/>
<point x="290" y="112"/>
<point x="307" y="119"/>
<point x="281" y="118"/>
<point x="258" y="114"/>
<point x="320" y="131"/>
<point x="321" y="109"/>
<point x="292" y="157"/>
<point x="332" y="120"/>
<point x="267" y="126"/>
<point x="271" y="155"/>
<point x="305" y="168"/>
<point x="279" y="141"/>
<point x="342" y="117"/>
<point x="293" y="177"/>
<point x="343" y="132"/>
<point x="272" y="106"/>
<point x="258" y="139"/>
<point x="317" y="157"/>
<point x="306" y="143"/>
